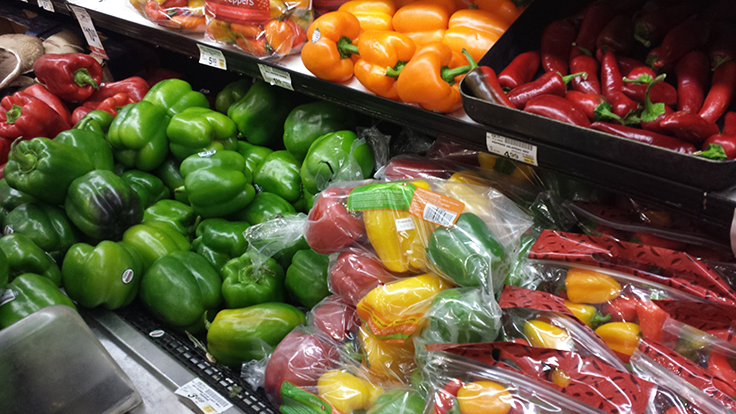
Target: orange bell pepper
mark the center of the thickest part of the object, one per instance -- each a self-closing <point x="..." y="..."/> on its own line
<point x="505" y="9"/>
<point x="249" y="31"/>
<point x="473" y="30"/>
<point x="330" y="45"/>
<point x="428" y="81"/>
<point x="424" y="21"/>
<point x="253" y="46"/>
<point x="372" y="14"/>
<point x="279" y="37"/>
<point x="382" y="56"/>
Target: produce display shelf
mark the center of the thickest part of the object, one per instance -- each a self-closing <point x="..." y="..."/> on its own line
<point x="118" y="16"/>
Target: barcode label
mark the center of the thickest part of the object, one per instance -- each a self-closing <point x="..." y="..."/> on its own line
<point x="46" y="5"/>
<point x="7" y="296"/>
<point x="512" y="148"/>
<point x="404" y="224"/>
<point x="211" y="57"/>
<point x="276" y="77"/>
<point x="89" y="31"/>
<point x="204" y="397"/>
<point x="437" y="215"/>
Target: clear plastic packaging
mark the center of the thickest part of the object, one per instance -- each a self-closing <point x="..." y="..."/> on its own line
<point x="186" y="15"/>
<point x="354" y="273"/>
<point x="335" y="318"/>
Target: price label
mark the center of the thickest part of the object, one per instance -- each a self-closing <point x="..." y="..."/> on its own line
<point x="511" y="148"/>
<point x="46" y="5"/>
<point x="211" y="57"/>
<point x="205" y="398"/>
<point x="276" y="77"/>
<point x="90" y="33"/>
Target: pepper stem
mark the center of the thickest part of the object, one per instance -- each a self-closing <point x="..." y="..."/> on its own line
<point x="83" y="78"/>
<point x="394" y="72"/>
<point x="652" y="111"/>
<point x="598" y="318"/>
<point x="582" y="49"/>
<point x="570" y="77"/>
<point x="13" y="114"/>
<point x="448" y="75"/>
<point x="713" y="152"/>
<point x="642" y="79"/>
<point x="641" y="32"/>
<point x="604" y="112"/>
<point x="26" y="160"/>
<point x="346" y="47"/>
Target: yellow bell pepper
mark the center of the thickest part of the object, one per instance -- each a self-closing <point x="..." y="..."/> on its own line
<point x="589" y="286"/>
<point x="622" y="337"/>
<point x="475" y="199"/>
<point x="505" y="166"/>
<point x="545" y="335"/>
<point x="391" y="361"/>
<point x="484" y="397"/>
<point x="346" y="392"/>
<point x="587" y="314"/>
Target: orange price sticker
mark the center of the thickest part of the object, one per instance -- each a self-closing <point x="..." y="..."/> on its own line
<point x="435" y="208"/>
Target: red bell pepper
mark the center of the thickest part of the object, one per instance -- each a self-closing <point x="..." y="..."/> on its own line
<point x="719" y="366"/>
<point x="692" y="78"/>
<point x="484" y="84"/>
<point x="721" y="94"/>
<point x="82" y="111"/>
<point x="135" y="87"/>
<point x="445" y="401"/>
<point x="612" y="85"/>
<point x="557" y="108"/>
<point x="621" y="309"/>
<point x="689" y="127"/>
<point x="597" y="15"/>
<point x="5" y="145"/>
<point x="551" y="83"/>
<point x="355" y="274"/>
<point x="521" y="70"/>
<point x="330" y="227"/>
<point x="555" y="46"/>
<point x="618" y="36"/>
<point x="647" y="137"/>
<point x="651" y="319"/>
<point x="115" y="102"/>
<point x="72" y="77"/>
<point x="589" y="84"/>
<point x="39" y="91"/>
<point x="690" y="35"/>
<point x="22" y="115"/>
<point x="595" y="107"/>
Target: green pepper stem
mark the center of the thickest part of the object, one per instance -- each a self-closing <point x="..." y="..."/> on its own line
<point x="570" y="77"/>
<point x="652" y="111"/>
<point x="394" y="72"/>
<point x="13" y="114"/>
<point x="346" y="47"/>
<point x="598" y="318"/>
<point x="642" y="79"/>
<point x="712" y="152"/>
<point x="448" y="75"/>
<point x="604" y="112"/>
<point x="26" y="160"/>
<point x="83" y="78"/>
<point x="582" y="49"/>
<point x="640" y="34"/>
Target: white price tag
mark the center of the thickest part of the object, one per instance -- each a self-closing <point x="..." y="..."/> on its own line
<point x="211" y="57"/>
<point x="404" y="224"/>
<point x="511" y="148"/>
<point x="205" y="398"/>
<point x="7" y="296"/>
<point x="90" y="33"/>
<point x="276" y="77"/>
<point x="46" y="5"/>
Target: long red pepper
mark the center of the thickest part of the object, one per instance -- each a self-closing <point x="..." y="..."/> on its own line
<point x="661" y="92"/>
<point x="548" y="84"/>
<point x="596" y="107"/>
<point x="589" y="84"/>
<point x="721" y="94"/>
<point x="555" y="46"/>
<point x="722" y="47"/>
<point x="646" y="137"/>
<point x="729" y="124"/>
<point x="135" y="87"/>
<point x="654" y="124"/>
<point x="689" y="35"/>
<point x="39" y="91"/>
<point x="719" y="366"/>
<point x="557" y="108"/>
<point x="689" y="127"/>
<point x="654" y="23"/>
<point x="727" y="150"/>
<point x="627" y="65"/>
<point x="596" y="17"/>
<point x="521" y="70"/>
<point x="692" y="80"/>
<point x="654" y="113"/>
<point x="612" y="85"/>
<point x="483" y="82"/>
<point x="618" y="35"/>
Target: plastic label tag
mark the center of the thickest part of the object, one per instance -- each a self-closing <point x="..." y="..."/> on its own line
<point x="295" y="400"/>
<point x="128" y="276"/>
<point x="206" y="154"/>
<point x="390" y="196"/>
<point x="511" y="148"/>
<point x="8" y="230"/>
<point x="156" y="334"/>
<point x="90" y="33"/>
<point x="205" y="398"/>
<point x="7" y="296"/>
<point x="276" y="77"/>
<point x="316" y="35"/>
<point x="46" y="5"/>
<point x="404" y="224"/>
<point x="211" y="57"/>
<point x="435" y="208"/>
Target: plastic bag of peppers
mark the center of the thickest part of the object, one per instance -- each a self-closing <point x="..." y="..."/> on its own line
<point x="177" y="14"/>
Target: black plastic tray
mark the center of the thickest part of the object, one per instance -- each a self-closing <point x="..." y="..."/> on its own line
<point x="523" y="36"/>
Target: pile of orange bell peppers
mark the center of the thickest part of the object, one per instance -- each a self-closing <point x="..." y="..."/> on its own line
<point x="413" y="51"/>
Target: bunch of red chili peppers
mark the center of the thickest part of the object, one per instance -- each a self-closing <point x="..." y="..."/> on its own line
<point x="590" y="80"/>
<point x="42" y="110"/>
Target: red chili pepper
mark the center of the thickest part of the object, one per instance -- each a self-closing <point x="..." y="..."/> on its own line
<point x="654" y="23"/>
<point x="621" y="309"/>
<point x="597" y="15"/>
<point x="627" y="65"/>
<point x="618" y="36"/>
<point x="483" y="82"/>
<point x="22" y="115"/>
<point x="651" y="319"/>
<point x="653" y="124"/>
<point x="692" y="78"/>
<point x="722" y="90"/>
<point x="82" y="110"/>
<point x="551" y="83"/>
<point x="687" y="36"/>
<point x="661" y="92"/>
<point x="589" y="84"/>
<point x="135" y="87"/>
<point x="723" y="46"/>
<point x="446" y="398"/>
<point x="557" y="108"/>
<point x="39" y="91"/>
<point x="641" y="73"/>
<point x="555" y="46"/>
<point x="689" y="127"/>
<point x="719" y="147"/>
<point x="595" y="107"/>
<point x="72" y="77"/>
<point x="719" y="366"/>
<point x="612" y="85"/>
<point x="729" y="123"/>
<point x="113" y="103"/>
<point x="646" y="137"/>
<point x="521" y="70"/>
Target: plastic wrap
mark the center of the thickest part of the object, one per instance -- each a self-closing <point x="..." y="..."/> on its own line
<point x="388" y="361"/>
<point x="712" y="318"/>
<point x="178" y="14"/>
<point x="335" y="318"/>
<point x="354" y="273"/>
<point x="279" y="238"/>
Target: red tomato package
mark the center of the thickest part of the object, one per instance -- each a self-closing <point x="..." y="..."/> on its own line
<point x="178" y="14"/>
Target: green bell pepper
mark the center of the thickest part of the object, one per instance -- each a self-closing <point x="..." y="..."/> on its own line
<point x="45" y="169"/>
<point x="174" y="96"/>
<point x="179" y="215"/>
<point x="150" y="189"/>
<point x="261" y="113"/>
<point x="253" y="155"/>
<point x="278" y="173"/>
<point x="310" y="121"/>
<point x="30" y="292"/>
<point x="240" y="335"/>
<point x="217" y="183"/>
<point x="232" y="93"/>
<point x="10" y="198"/>
<point x="48" y="227"/>
<point x="460" y="316"/>
<point x="285" y="251"/>
<point x="264" y="206"/>
<point x="467" y="253"/>
<point x="4" y="270"/>
<point x="96" y="121"/>
<point x="102" y="205"/>
<point x="179" y="288"/>
<point x="200" y="129"/>
<point x="119" y="169"/>
<point x="219" y="240"/>
<point x="305" y="202"/>
<point x="92" y="144"/>
<point x="106" y="275"/>
<point x="138" y="136"/>
<point x="336" y="157"/>
<point x="25" y="257"/>
<point x="398" y="401"/>
<point x="251" y="279"/>
<point x="154" y="240"/>
<point x="169" y="173"/>
<point x="306" y="278"/>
